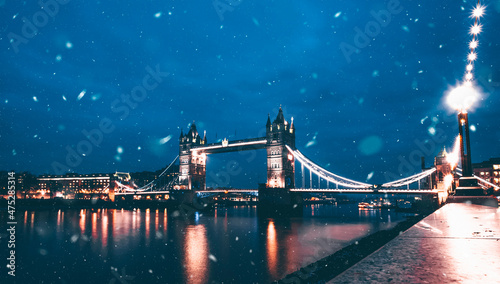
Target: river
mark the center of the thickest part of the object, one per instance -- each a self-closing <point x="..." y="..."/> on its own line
<point x="227" y="245"/>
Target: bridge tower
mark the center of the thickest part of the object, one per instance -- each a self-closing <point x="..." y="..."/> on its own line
<point x="192" y="165"/>
<point x="280" y="163"/>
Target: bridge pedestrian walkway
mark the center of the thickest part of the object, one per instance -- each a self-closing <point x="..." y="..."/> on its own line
<point x="459" y="243"/>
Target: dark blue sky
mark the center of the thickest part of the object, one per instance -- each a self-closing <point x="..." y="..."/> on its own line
<point x="359" y="116"/>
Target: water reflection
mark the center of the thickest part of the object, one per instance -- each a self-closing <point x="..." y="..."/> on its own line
<point x="82" y="221"/>
<point x="196" y="254"/>
<point x="272" y="250"/>
<point x="147" y="226"/>
<point x="104" y="228"/>
<point x="94" y="226"/>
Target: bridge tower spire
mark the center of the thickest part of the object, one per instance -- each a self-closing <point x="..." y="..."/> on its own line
<point x="280" y="163"/>
<point x="192" y="165"/>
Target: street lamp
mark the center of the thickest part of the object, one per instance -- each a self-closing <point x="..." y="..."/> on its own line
<point x="463" y="98"/>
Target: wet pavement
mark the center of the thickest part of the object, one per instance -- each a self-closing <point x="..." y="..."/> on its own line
<point x="459" y="243"/>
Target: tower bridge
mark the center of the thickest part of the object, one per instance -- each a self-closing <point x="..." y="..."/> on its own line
<point x="282" y="155"/>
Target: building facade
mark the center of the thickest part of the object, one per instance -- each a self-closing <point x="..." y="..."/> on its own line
<point x="488" y="170"/>
<point x="70" y="186"/>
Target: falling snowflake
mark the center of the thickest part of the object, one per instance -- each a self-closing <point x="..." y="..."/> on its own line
<point x="165" y="139"/>
<point x="82" y="93"/>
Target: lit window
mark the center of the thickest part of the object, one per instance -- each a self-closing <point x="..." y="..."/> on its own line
<point x="482" y="173"/>
<point x="496" y="167"/>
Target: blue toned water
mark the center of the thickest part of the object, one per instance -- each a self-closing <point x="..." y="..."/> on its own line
<point x="230" y="245"/>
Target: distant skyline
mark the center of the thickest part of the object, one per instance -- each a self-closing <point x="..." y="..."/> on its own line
<point x="139" y="73"/>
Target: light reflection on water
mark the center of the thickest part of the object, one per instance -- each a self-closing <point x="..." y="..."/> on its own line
<point x="228" y="245"/>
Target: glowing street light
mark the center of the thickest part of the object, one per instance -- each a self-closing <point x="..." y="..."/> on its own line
<point x="478" y="11"/>
<point x="463" y="97"/>
<point x="475" y="29"/>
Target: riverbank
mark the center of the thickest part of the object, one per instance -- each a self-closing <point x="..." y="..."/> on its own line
<point x="333" y="265"/>
<point x="459" y="243"/>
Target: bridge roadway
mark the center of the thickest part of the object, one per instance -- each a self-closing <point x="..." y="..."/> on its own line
<point x="459" y="243"/>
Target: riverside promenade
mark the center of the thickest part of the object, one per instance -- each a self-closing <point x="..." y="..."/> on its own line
<point x="459" y="243"/>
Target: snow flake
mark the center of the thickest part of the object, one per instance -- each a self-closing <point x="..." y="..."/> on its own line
<point x="254" y="20"/>
<point x="432" y="131"/>
<point x="165" y="139"/>
<point x="82" y="93"/>
<point x="370" y="175"/>
<point x="74" y="238"/>
<point x="212" y="257"/>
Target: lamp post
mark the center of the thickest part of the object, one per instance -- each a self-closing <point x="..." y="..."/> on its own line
<point x="467" y="184"/>
<point x="463" y="98"/>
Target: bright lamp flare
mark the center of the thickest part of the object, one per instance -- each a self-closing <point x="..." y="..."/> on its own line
<point x="475" y="29"/>
<point x="469" y="67"/>
<point x="462" y="97"/>
<point x="468" y="76"/>
<point x="473" y="44"/>
<point x="448" y="180"/>
<point x="453" y="157"/>
<point x="478" y="11"/>
<point x="472" y="56"/>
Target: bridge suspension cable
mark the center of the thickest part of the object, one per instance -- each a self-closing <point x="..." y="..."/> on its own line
<point x="324" y="174"/>
<point x="151" y="184"/>
<point x="410" y="179"/>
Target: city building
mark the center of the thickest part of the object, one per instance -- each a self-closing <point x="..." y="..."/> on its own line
<point x="488" y="170"/>
<point x="71" y="186"/>
<point x="25" y="183"/>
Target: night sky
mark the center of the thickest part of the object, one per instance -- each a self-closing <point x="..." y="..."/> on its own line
<point x="360" y="116"/>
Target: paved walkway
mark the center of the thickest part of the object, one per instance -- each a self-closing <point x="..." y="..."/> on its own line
<point x="459" y="243"/>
